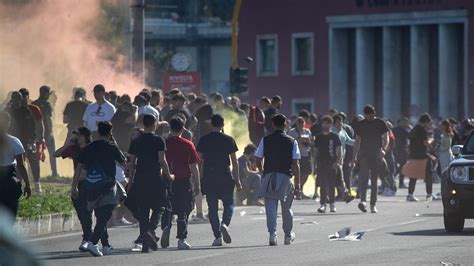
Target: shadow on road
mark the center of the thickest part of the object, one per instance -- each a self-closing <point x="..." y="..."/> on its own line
<point x="434" y="232"/>
<point x="73" y="254"/>
<point x="296" y="214"/>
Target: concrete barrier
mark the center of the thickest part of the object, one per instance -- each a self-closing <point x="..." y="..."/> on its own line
<point x="48" y="224"/>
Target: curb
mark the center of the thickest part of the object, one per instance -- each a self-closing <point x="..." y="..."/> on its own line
<point x="48" y="224"/>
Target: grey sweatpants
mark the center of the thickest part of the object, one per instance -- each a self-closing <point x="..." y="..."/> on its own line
<point x="271" y="210"/>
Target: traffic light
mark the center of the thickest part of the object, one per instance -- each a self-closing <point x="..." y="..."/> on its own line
<point x="238" y="80"/>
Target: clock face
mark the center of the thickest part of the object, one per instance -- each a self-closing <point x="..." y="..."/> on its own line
<point x="181" y="61"/>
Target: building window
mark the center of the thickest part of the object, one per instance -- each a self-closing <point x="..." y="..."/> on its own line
<point x="267" y="55"/>
<point x="302" y="48"/>
<point x="299" y="104"/>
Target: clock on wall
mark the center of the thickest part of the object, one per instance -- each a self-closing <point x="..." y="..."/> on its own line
<point x="181" y="61"/>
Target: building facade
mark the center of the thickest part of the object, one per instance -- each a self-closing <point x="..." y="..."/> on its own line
<point x="403" y="56"/>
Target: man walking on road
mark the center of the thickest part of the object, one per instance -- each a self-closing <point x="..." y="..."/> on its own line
<point x="147" y="162"/>
<point x="369" y="151"/>
<point x="217" y="151"/>
<point x="101" y="110"/>
<point x="183" y="160"/>
<point x="281" y="155"/>
<point x="99" y="160"/>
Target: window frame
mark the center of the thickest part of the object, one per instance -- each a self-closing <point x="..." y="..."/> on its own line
<point x="296" y="101"/>
<point x="260" y="73"/>
<point x="294" y="55"/>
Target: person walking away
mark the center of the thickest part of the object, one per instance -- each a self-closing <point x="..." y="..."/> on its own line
<point x="369" y="150"/>
<point x="217" y="151"/>
<point x="305" y="142"/>
<point x="445" y="153"/>
<point x="147" y="170"/>
<point x="99" y="160"/>
<point x="74" y="111"/>
<point x="79" y="140"/>
<point x="273" y="109"/>
<point x="281" y="157"/>
<point x="249" y="177"/>
<point x="47" y="111"/>
<point x="100" y="111"/>
<point x="401" y="133"/>
<point x="12" y="168"/>
<point x="328" y="150"/>
<point x="23" y="127"/>
<point x="418" y="150"/>
<point x="183" y="160"/>
<point x="346" y="140"/>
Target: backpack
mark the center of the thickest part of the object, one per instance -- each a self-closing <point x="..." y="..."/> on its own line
<point x="97" y="183"/>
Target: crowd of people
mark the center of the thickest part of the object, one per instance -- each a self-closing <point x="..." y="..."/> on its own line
<point x="157" y="156"/>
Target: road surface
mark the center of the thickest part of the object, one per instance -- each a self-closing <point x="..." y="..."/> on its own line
<point x="401" y="233"/>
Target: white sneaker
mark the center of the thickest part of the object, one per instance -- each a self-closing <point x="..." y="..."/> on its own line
<point x="412" y="198"/>
<point x="430" y="198"/>
<point x="217" y="242"/>
<point x="289" y="239"/>
<point x="38" y="187"/>
<point x="94" y="250"/>
<point x="226" y="234"/>
<point x="332" y="207"/>
<point x="183" y="245"/>
<point x="83" y="246"/>
<point x="123" y="222"/>
<point x="107" y="250"/>
<point x="273" y="241"/>
<point x="322" y="209"/>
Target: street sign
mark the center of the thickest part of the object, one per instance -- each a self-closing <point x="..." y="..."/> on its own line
<point x="187" y="82"/>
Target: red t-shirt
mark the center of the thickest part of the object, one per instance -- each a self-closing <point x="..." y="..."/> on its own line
<point x="180" y="153"/>
<point x="36" y="112"/>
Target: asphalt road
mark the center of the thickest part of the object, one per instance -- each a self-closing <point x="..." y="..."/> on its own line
<point x="401" y="233"/>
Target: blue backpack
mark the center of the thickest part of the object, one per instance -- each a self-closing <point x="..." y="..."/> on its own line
<point x="97" y="183"/>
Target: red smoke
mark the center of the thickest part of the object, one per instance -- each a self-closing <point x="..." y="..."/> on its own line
<point x="52" y="42"/>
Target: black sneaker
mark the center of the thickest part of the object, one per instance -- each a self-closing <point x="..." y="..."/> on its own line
<point x="373" y="209"/>
<point x="362" y="207"/>
<point x="226" y="234"/>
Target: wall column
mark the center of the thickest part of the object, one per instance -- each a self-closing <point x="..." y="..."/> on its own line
<point x="365" y="53"/>
<point x="449" y="57"/>
<point x="338" y="92"/>
<point x="392" y="87"/>
<point x="419" y="70"/>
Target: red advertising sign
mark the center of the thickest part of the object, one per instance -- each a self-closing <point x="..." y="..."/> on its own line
<point x="187" y="82"/>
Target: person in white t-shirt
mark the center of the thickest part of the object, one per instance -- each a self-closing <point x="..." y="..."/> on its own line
<point x="100" y="111"/>
<point x="11" y="161"/>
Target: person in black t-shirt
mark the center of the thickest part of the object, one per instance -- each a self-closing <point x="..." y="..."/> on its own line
<point x="328" y="158"/>
<point x="369" y="151"/>
<point x="217" y="151"/>
<point x="418" y="150"/>
<point x="74" y="111"/>
<point x="147" y="182"/>
<point x="47" y="111"/>
<point x="106" y="155"/>
<point x="401" y="133"/>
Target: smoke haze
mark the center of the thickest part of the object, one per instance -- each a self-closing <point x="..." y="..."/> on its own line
<point x="53" y="42"/>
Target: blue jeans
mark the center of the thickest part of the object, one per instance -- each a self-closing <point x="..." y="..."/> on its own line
<point x="213" y="205"/>
<point x="271" y="210"/>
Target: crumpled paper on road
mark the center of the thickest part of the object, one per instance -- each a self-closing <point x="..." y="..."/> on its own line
<point x="346" y="235"/>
